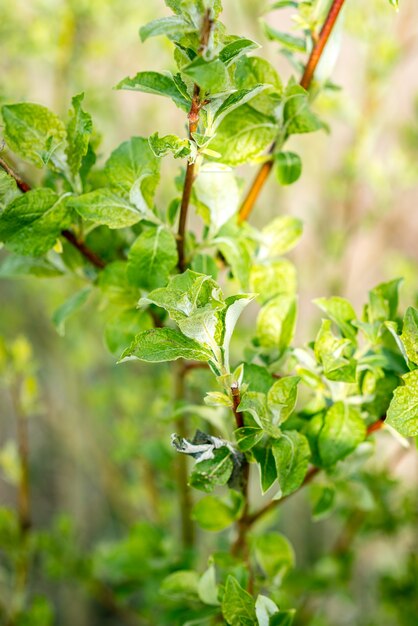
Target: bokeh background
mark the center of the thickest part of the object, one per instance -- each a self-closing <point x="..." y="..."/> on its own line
<point x="99" y="433"/>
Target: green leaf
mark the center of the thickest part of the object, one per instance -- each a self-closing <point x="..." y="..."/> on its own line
<point x="181" y="585"/>
<point x="235" y="100"/>
<point x="288" y="167"/>
<point x="120" y="330"/>
<point x="34" y="133"/>
<point x="274" y="554"/>
<point x="211" y="472"/>
<point x="155" y="83"/>
<point x="264" y="609"/>
<point x="402" y="414"/>
<point x="409" y="336"/>
<point x="323" y="500"/>
<point x="276" y="323"/>
<point x="234" y="306"/>
<point x="165" y="344"/>
<point x="383" y="301"/>
<point x="341" y="312"/>
<point x="342" y="432"/>
<point x="205" y="264"/>
<point x="15" y="266"/>
<point x="247" y="437"/>
<point x="79" y="131"/>
<point x="218" y="193"/>
<point x="330" y="351"/>
<point x="233" y="51"/>
<point x="172" y="27"/>
<point x="211" y="76"/>
<point x="394" y="3"/>
<point x="214" y="514"/>
<point x="70" y="306"/>
<point x="237" y="252"/>
<point x="291" y="453"/>
<point x="284" y="618"/>
<point x="295" y="44"/>
<point x="284" y="4"/>
<point x="237" y="605"/>
<point x="31" y="224"/>
<point x="207" y="588"/>
<point x="270" y="279"/>
<point x="281" y="398"/>
<point x="253" y="71"/>
<point x="243" y="135"/>
<point x="256" y="404"/>
<point x="179" y="148"/>
<point x="8" y="189"/>
<point x="280" y="236"/>
<point x="132" y="171"/>
<point x="297" y="115"/>
<point x="103" y="206"/>
<point x="151" y="258"/>
<point x="268" y="473"/>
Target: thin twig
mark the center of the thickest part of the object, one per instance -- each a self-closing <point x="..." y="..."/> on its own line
<point x="193" y="118"/>
<point x="23" y="186"/>
<point x="67" y="234"/>
<point x="83" y="249"/>
<point x="305" y="82"/>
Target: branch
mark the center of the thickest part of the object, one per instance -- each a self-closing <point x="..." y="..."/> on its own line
<point x="67" y="234"/>
<point x="305" y="82"/>
<point x="308" y="478"/>
<point x="83" y="249"/>
<point x="193" y="118"/>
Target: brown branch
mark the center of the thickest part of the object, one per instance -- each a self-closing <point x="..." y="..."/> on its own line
<point x="193" y="118"/>
<point x="19" y="181"/>
<point x="67" y="234"/>
<point x="308" y="478"/>
<point x="83" y="249"/>
<point x="305" y="82"/>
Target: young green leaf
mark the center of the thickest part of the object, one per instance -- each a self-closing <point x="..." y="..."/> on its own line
<point x="281" y="398"/>
<point x="235" y="100"/>
<point x="268" y="473"/>
<point x="276" y="323"/>
<point x="402" y="413"/>
<point x="103" y="206"/>
<point x="132" y="171"/>
<point x="8" y="189"/>
<point x="342" y="432"/>
<point x="269" y="279"/>
<point x="265" y="609"/>
<point x="409" y="336"/>
<point x="214" y="514"/>
<point x="155" y="83"/>
<point x="35" y="133"/>
<point x="173" y="27"/>
<point x="79" y="131"/>
<point x="179" y="148"/>
<point x="288" y="167"/>
<point x="292" y="43"/>
<point x="70" y="306"/>
<point x="243" y="135"/>
<point x="291" y="453"/>
<point x="213" y="472"/>
<point x="247" y="437"/>
<point x="32" y="223"/>
<point x="211" y="76"/>
<point x="235" y="49"/>
<point x="274" y="554"/>
<point x="121" y="329"/>
<point x="165" y="344"/>
<point x="280" y="236"/>
<point x="218" y="195"/>
<point x="341" y="312"/>
<point x="238" y="606"/>
<point x="297" y="115"/>
<point x="151" y="258"/>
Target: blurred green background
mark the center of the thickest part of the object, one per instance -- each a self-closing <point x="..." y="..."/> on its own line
<point x="103" y="500"/>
